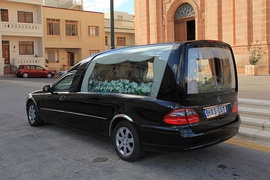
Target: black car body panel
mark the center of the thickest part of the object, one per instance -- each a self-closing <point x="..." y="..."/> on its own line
<point x="151" y="83"/>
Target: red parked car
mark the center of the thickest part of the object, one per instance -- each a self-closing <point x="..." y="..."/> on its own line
<point x="33" y="71"/>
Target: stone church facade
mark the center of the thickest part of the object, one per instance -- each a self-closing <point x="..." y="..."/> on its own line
<point x="237" y="22"/>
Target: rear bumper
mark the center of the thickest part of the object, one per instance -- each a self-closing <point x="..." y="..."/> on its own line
<point x="183" y="138"/>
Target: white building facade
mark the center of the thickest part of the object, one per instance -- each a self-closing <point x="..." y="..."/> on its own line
<point x="21" y="34"/>
<point x="66" y="4"/>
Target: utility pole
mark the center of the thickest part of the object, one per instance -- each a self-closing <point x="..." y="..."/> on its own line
<point x="112" y="24"/>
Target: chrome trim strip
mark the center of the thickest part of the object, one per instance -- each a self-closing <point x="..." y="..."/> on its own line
<point x="122" y="116"/>
<point x="210" y="107"/>
<point x="116" y="117"/>
<point x="73" y="113"/>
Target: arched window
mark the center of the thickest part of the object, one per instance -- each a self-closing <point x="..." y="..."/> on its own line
<point x="185" y="10"/>
<point x="184" y="23"/>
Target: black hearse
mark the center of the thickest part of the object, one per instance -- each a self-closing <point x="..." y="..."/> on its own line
<point x="173" y="96"/>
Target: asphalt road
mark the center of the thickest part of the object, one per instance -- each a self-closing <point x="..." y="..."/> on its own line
<point x="53" y="152"/>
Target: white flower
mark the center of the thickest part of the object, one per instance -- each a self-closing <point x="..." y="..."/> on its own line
<point x="121" y="86"/>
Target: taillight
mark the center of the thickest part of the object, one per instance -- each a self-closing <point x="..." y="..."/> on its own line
<point x="235" y="107"/>
<point x="182" y="117"/>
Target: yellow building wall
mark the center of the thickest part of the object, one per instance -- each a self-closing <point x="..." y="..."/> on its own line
<point x="129" y="39"/>
<point x="123" y="27"/>
<point x="80" y="45"/>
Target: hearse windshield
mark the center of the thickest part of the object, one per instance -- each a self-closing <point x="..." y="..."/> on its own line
<point x="210" y="69"/>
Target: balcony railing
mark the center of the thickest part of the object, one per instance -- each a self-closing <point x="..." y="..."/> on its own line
<point x="77" y="4"/>
<point x="24" y="28"/>
<point x="35" y="2"/>
<point x="120" y="24"/>
<point x="34" y="61"/>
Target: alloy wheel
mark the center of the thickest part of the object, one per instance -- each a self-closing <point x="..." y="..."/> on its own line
<point x="49" y="75"/>
<point x="25" y="75"/>
<point x="124" y="141"/>
<point x="32" y="114"/>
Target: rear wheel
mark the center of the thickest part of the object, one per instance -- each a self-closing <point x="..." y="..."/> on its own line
<point x="126" y="142"/>
<point x="25" y="75"/>
<point x="32" y="114"/>
<point x="49" y="75"/>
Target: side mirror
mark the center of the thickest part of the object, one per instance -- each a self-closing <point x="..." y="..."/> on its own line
<point x="47" y="88"/>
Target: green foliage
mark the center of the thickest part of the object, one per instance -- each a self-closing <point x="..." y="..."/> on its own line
<point x="120" y="86"/>
<point x="255" y="53"/>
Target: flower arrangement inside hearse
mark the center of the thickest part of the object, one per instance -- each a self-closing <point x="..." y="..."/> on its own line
<point x="121" y="86"/>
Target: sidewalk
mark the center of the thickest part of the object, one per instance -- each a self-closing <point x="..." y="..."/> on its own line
<point x="254" y="87"/>
<point x="254" y="104"/>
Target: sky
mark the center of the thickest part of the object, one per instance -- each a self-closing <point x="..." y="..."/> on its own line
<point x="104" y="5"/>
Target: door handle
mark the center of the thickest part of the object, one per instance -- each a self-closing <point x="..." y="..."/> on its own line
<point x="62" y="98"/>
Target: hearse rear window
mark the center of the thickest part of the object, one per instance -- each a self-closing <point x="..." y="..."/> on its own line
<point x="137" y="71"/>
<point x="210" y="69"/>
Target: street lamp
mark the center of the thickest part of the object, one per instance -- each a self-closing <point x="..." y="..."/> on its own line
<point x="112" y="24"/>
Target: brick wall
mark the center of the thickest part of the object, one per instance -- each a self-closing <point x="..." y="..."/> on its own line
<point x="237" y="22"/>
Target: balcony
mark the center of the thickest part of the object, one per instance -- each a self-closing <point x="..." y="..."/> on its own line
<point x="35" y="2"/>
<point x="25" y="29"/>
<point x="120" y="25"/>
<point x="77" y="4"/>
<point x="34" y="61"/>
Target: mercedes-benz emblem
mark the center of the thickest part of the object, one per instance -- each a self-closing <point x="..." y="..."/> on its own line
<point x="218" y="99"/>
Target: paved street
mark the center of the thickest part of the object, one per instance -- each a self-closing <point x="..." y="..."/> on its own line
<point x="53" y="152"/>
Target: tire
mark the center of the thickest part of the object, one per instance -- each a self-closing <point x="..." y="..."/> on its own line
<point x="126" y="142"/>
<point x="25" y="75"/>
<point x="32" y="115"/>
<point x="49" y="75"/>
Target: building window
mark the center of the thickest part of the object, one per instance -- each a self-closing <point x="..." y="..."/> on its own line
<point x="26" y="48"/>
<point x="119" y="17"/>
<point x="53" y="26"/>
<point x="93" y="30"/>
<point x="71" y="28"/>
<point x="4" y="15"/>
<point x="91" y="52"/>
<point x="121" y="41"/>
<point x="106" y="41"/>
<point x="52" y="56"/>
<point x="25" y="17"/>
<point x="185" y="10"/>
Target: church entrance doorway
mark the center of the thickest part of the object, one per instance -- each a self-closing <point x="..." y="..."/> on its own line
<point x="184" y="23"/>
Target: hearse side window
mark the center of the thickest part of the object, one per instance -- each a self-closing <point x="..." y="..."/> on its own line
<point x="126" y="77"/>
<point x="210" y="69"/>
<point x="64" y="84"/>
<point x="136" y="71"/>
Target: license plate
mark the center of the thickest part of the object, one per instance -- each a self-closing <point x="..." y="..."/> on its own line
<point x="215" y="111"/>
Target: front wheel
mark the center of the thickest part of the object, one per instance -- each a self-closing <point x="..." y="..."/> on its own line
<point x="126" y="142"/>
<point x="33" y="116"/>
